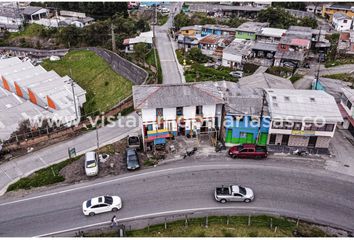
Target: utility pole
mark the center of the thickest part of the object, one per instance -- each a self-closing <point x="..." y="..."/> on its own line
<point x="261" y="117"/>
<point x="113" y="38"/>
<point x="319" y="62"/>
<point x="154" y="41"/>
<point x="73" y="91"/>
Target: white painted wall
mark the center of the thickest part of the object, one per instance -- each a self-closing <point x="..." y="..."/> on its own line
<point x="342" y="25"/>
<point x="148" y="115"/>
<point x="9" y="20"/>
<point x="189" y="112"/>
<point x="231" y="58"/>
<point x="169" y="113"/>
<point x="209" y="111"/>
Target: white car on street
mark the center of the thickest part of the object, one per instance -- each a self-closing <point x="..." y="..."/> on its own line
<point x="91" y="164"/>
<point x="101" y="204"/>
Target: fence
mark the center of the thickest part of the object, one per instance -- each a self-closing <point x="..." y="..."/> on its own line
<point x="275" y="223"/>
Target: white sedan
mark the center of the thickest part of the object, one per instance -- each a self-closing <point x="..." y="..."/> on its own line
<point x="101" y="204"/>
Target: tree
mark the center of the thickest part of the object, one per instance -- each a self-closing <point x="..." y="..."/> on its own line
<point x="140" y="51"/>
<point x="290" y="5"/>
<point x="196" y="55"/>
<point x="182" y="20"/>
<point x="69" y="36"/>
<point x="277" y="17"/>
<point x="309" y="22"/>
<point x="142" y="25"/>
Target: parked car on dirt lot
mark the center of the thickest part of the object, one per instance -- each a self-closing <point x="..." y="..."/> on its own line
<point x="101" y="204"/>
<point x="132" y="158"/>
<point x="248" y="151"/>
<point x="91" y="164"/>
<point x="133" y="141"/>
<point x="233" y="193"/>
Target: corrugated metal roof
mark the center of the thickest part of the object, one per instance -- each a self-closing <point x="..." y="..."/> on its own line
<point x="298" y="104"/>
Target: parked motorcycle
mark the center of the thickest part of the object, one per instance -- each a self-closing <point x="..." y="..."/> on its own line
<point x="300" y="152"/>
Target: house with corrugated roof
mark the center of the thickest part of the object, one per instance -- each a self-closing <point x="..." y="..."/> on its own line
<point x="341" y="22"/>
<point x="185" y="109"/>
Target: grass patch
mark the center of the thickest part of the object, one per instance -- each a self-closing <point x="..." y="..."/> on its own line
<point x="104" y="87"/>
<point x="295" y="77"/>
<point x="217" y="227"/>
<point x="150" y="59"/>
<point x="280" y="71"/>
<point x="198" y="73"/>
<point x="340" y="60"/>
<point x="341" y="76"/>
<point x="150" y="162"/>
<point x="162" y="19"/>
<point x="30" y="30"/>
<point x="43" y="177"/>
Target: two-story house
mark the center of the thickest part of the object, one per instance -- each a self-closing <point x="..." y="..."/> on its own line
<point x="347" y="108"/>
<point x="302" y="118"/>
<point x="248" y="30"/>
<point x="219" y="30"/>
<point x="341" y="22"/>
<point x="177" y="109"/>
<point x="329" y="10"/>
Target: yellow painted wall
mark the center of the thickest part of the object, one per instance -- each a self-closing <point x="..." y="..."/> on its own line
<point x="188" y="33"/>
<point x="330" y="12"/>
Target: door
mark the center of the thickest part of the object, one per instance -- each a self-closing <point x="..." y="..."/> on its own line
<point x="263" y="139"/>
<point x="312" y="141"/>
<point x="243" y="153"/>
<point x="285" y="140"/>
<point x="237" y="197"/>
<point x="272" y="139"/>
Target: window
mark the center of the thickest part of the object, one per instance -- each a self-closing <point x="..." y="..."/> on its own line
<point x="159" y="112"/>
<point x="243" y="134"/>
<point x="329" y="127"/>
<point x="297" y="126"/>
<point x="345" y="21"/>
<point x="179" y="111"/>
<point x="199" y="110"/>
<point x="237" y="195"/>
<point x="349" y="104"/>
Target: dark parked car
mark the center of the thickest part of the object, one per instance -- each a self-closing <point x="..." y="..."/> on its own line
<point x="132" y="159"/>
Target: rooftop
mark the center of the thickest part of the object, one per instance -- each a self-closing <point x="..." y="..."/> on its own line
<point x="297" y="104"/>
<point x="30" y="10"/>
<point x="290" y="55"/>
<point x="216" y="39"/>
<point x="144" y="37"/>
<point x="265" y="46"/>
<point x="252" y="27"/>
<point x="10" y="12"/>
<point x="221" y="27"/>
<point x="240" y="47"/>
<point x="265" y="80"/>
<point x="272" y="32"/>
<point x="343" y="7"/>
<point x="349" y="93"/>
<point x="194" y="27"/>
<point x="341" y="16"/>
<point x="333" y="86"/>
<point x="177" y="95"/>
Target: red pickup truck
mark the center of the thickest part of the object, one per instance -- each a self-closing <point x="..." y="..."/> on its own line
<point x="248" y="151"/>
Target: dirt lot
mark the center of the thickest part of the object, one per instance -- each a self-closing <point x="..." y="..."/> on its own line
<point x="115" y="164"/>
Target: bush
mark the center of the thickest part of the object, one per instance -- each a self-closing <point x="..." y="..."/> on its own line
<point x="196" y="55"/>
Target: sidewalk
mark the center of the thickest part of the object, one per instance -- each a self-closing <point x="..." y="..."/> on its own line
<point x="17" y="168"/>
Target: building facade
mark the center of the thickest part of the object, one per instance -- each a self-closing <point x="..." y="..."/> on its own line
<point x="302" y="118"/>
<point x="347" y="104"/>
<point x="341" y="22"/>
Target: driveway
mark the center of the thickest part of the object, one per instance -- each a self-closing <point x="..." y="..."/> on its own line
<point x="310" y="194"/>
<point x="172" y="71"/>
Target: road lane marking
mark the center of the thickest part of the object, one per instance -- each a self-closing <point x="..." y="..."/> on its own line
<point x="156" y="172"/>
<point x="6" y="173"/>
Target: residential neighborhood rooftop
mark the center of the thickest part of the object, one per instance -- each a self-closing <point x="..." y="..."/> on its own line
<point x="194" y="27"/>
<point x="265" y="80"/>
<point x="176" y="95"/>
<point x="297" y="104"/>
<point x="240" y="47"/>
<point x="349" y="93"/>
<point x="252" y="27"/>
<point x="272" y="32"/>
<point x="340" y="16"/>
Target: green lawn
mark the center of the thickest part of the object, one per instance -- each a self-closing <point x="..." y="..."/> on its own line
<point x="150" y="59"/>
<point x="104" y="87"/>
<point x="260" y="226"/>
<point x="340" y="60"/>
<point x="162" y="19"/>
<point x="341" y="76"/>
<point x="43" y="177"/>
<point x="296" y="77"/>
<point x="198" y="72"/>
<point x="30" y="30"/>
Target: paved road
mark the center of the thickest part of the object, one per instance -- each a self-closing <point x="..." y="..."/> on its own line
<point x="310" y="194"/>
<point x="27" y="164"/>
<point x="171" y="70"/>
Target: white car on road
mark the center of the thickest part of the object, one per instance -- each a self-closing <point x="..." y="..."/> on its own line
<point x="91" y="164"/>
<point x="101" y="204"/>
